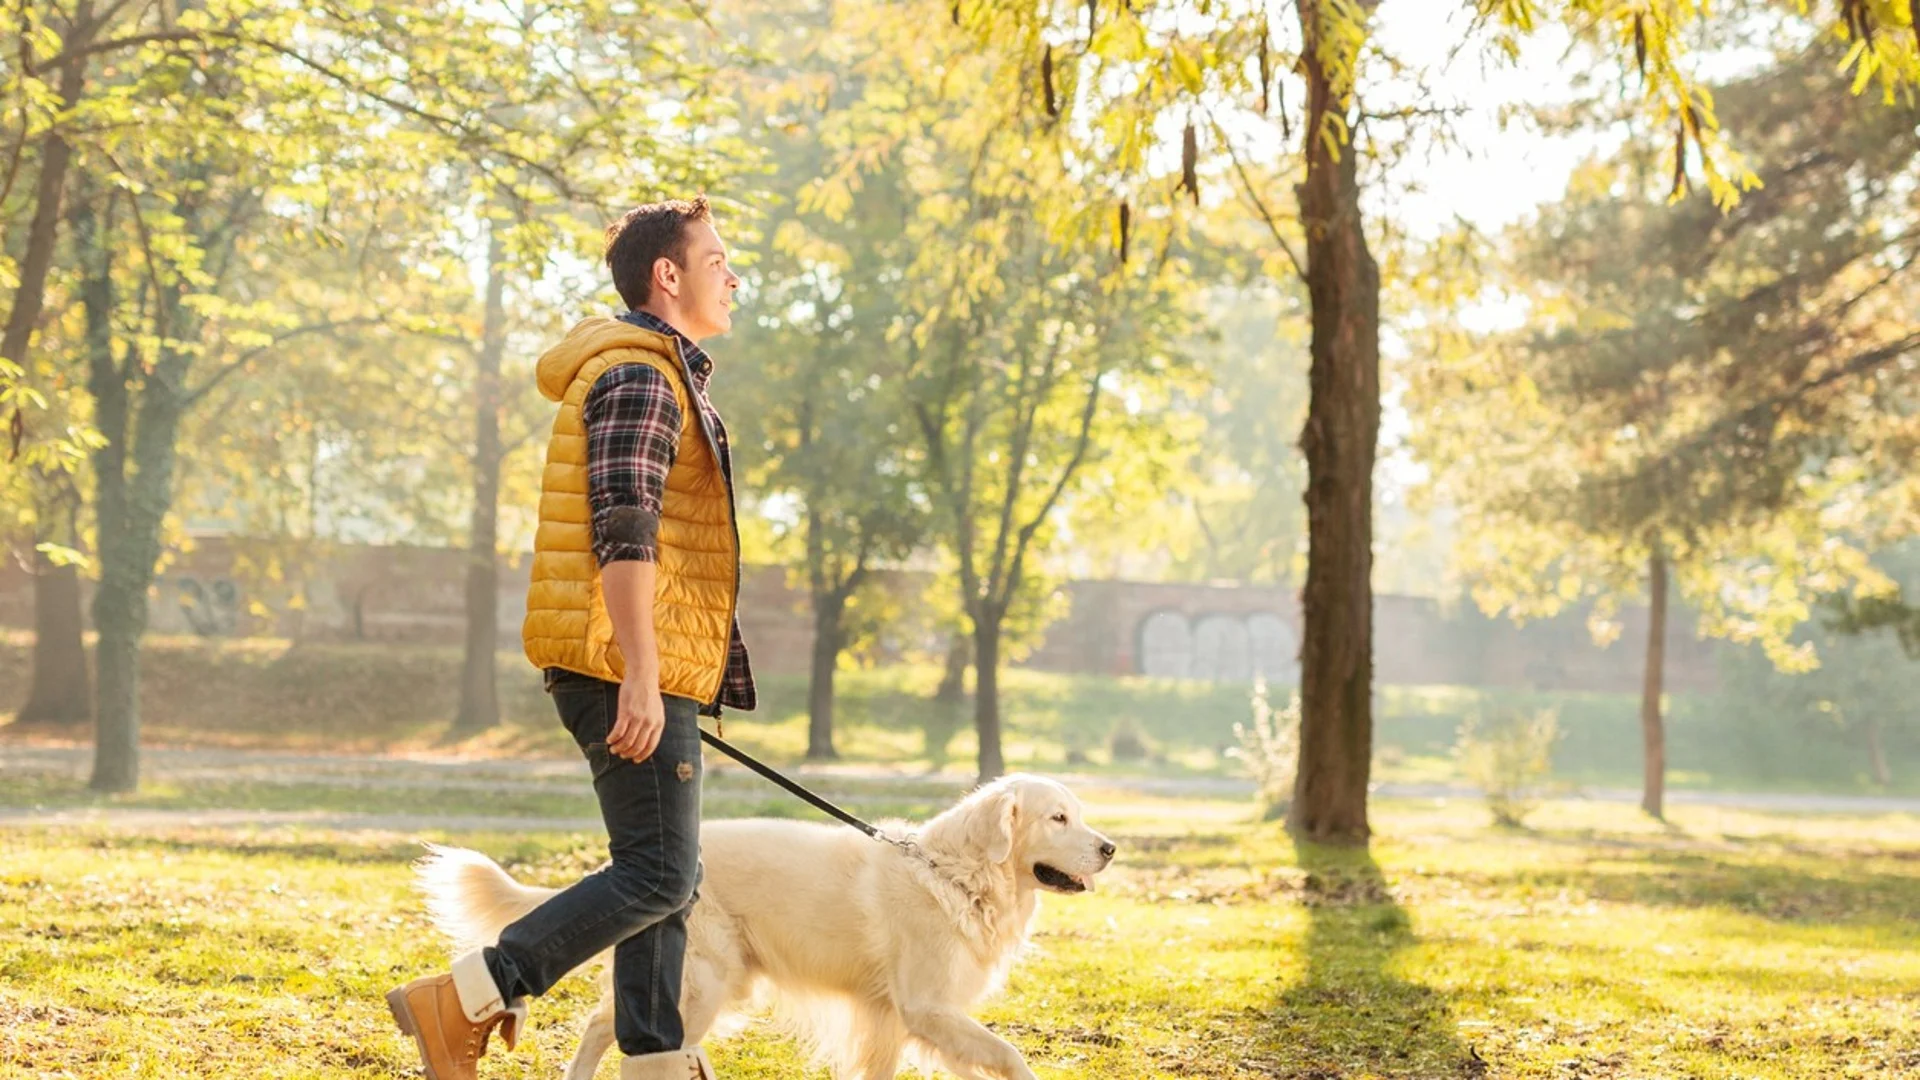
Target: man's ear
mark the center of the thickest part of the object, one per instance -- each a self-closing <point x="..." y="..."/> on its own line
<point x="994" y="822"/>
<point x="666" y="276"/>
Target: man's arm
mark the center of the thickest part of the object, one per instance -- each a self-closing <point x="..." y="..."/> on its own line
<point x="633" y="434"/>
<point x="628" y="588"/>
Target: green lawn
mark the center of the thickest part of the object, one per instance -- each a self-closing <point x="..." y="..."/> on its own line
<point x="1597" y="944"/>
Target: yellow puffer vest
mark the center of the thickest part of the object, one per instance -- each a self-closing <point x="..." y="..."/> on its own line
<point x="697" y="577"/>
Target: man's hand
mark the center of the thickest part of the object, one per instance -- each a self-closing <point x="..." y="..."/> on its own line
<point x="643" y="716"/>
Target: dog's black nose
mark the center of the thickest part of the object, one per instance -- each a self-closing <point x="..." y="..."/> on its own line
<point x="1106" y="851"/>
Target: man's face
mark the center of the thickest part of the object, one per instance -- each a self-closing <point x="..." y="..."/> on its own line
<point x="705" y="285"/>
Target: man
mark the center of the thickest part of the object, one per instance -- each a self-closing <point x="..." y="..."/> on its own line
<point x="631" y="616"/>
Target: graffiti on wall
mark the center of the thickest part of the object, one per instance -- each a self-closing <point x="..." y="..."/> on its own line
<point x="1219" y="647"/>
<point x="211" y="607"/>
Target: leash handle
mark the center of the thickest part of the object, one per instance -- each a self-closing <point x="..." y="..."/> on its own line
<point x="793" y="787"/>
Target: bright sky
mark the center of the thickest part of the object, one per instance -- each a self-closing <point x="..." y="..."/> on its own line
<point x="1494" y="176"/>
<point x="1491" y="174"/>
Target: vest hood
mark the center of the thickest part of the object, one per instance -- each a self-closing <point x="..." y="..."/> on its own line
<point x="589" y="338"/>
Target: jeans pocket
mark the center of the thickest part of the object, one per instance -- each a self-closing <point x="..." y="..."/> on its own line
<point x="600" y="759"/>
<point x="587" y="712"/>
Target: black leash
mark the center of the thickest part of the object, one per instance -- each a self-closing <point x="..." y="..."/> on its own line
<point x="793" y="787"/>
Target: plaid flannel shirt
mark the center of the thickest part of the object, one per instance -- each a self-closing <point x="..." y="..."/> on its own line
<point x="633" y="435"/>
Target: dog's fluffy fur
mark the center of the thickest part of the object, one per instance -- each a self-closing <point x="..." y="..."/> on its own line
<point x="871" y="954"/>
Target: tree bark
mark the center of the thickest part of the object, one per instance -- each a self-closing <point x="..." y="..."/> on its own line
<point x="1653" y="732"/>
<point x="986" y="694"/>
<point x="479" y="690"/>
<point x="134" y="474"/>
<point x="62" y="690"/>
<point x="127" y="512"/>
<point x="1339" y="442"/>
<point x="829" y="638"/>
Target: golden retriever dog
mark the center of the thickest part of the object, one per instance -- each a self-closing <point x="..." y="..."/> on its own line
<point x="871" y="952"/>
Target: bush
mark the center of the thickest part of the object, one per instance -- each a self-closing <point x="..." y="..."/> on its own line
<point x="1507" y="752"/>
<point x="1270" y="747"/>
<point x="1127" y="742"/>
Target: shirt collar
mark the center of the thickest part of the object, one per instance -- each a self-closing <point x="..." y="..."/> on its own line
<point x="697" y="359"/>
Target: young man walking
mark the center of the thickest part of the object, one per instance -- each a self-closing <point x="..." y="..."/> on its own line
<point x="631" y="615"/>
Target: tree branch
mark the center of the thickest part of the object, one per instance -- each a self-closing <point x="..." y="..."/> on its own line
<point x="1066" y="476"/>
<point x="193" y="396"/>
<point x="1246" y="184"/>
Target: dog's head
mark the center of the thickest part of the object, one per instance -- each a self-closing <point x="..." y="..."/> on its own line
<point x="1036" y="825"/>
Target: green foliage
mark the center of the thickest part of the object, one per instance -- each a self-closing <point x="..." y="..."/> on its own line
<point x="1709" y="388"/>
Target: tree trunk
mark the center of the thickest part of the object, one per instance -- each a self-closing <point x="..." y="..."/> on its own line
<point x="44" y="230"/>
<point x="479" y="691"/>
<point x="953" y="681"/>
<point x="1653" y="732"/>
<point x="131" y="506"/>
<point x="62" y="691"/>
<point x="986" y="694"/>
<point x="1877" y="752"/>
<point x="1339" y="441"/>
<point x="828" y="640"/>
<point x="127" y="510"/>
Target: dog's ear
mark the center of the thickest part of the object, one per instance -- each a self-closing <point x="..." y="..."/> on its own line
<point x="993" y="823"/>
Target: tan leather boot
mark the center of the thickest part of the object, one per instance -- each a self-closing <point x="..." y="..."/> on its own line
<point x="452" y="1016"/>
<point x="672" y="1065"/>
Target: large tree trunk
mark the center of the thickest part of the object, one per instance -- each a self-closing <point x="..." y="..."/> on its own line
<point x="479" y="692"/>
<point x="120" y="509"/>
<point x="1653" y="731"/>
<point x="62" y="691"/>
<point x="132" y="504"/>
<point x="986" y="693"/>
<point x="1342" y="430"/>
<point x="829" y="637"/>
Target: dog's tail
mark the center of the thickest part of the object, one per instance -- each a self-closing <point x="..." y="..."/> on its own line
<point x="470" y="898"/>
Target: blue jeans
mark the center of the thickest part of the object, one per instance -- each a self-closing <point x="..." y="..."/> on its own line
<point x="638" y="904"/>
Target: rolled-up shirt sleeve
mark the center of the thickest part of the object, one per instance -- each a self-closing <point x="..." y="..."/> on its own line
<point x="633" y="433"/>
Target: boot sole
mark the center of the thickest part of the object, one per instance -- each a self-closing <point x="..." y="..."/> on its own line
<point x="403" y="1016"/>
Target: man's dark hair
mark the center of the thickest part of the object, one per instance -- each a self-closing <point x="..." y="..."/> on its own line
<point x="645" y="234"/>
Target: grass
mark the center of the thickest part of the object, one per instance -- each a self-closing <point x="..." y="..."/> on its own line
<point x="1596" y="945"/>
<point x="271" y="694"/>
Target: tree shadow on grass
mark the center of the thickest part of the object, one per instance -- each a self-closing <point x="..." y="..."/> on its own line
<point x="1351" y="1014"/>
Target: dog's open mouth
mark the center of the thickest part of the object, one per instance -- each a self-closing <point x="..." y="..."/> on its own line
<point x="1058" y="880"/>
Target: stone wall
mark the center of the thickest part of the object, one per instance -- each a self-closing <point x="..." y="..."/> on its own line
<point x="1217" y="631"/>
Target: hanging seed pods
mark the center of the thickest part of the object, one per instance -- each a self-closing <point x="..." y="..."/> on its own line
<point x="1681" y="185"/>
<point x="1190" y="163"/>
<point x="1266" y="69"/>
<point x="1046" y="82"/>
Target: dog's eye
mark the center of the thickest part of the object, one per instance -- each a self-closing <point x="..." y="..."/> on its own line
<point x="1061" y="817"/>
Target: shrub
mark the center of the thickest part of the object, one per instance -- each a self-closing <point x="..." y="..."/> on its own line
<point x="1127" y="742"/>
<point x="1507" y="752"/>
<point x="1270" y="747"/>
